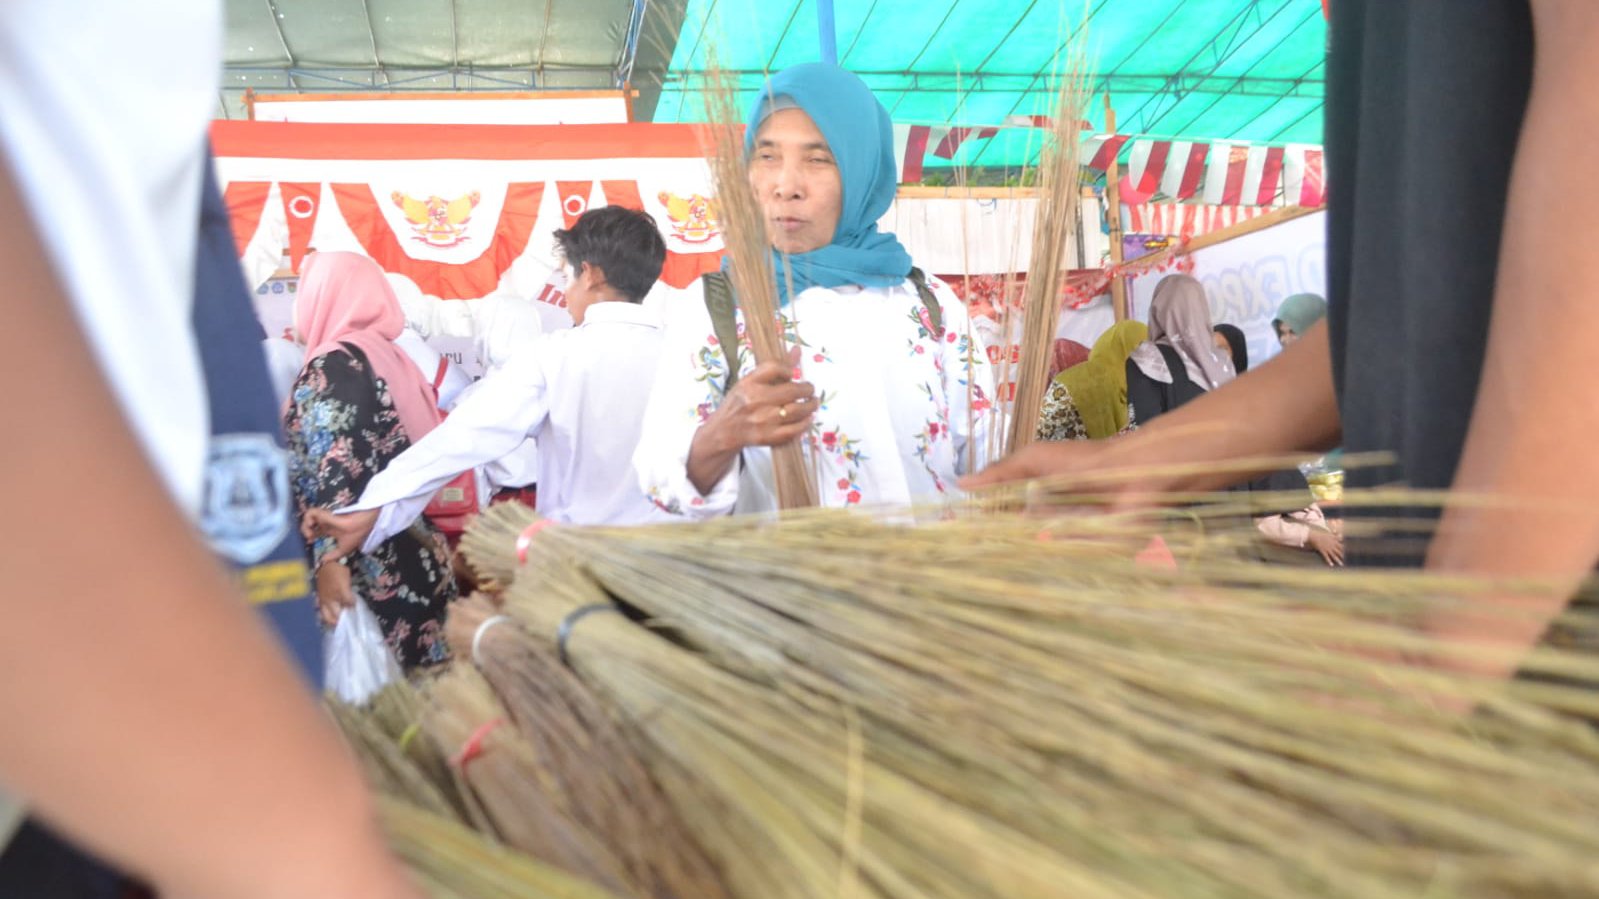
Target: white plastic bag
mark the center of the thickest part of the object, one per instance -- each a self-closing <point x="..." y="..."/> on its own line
<point x="357" y="659"/>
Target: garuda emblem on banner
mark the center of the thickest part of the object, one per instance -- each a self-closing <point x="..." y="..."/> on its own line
<point x="438" y="222"/>
<point x="693" y="217"/>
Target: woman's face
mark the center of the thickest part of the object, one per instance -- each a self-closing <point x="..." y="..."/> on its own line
<point x="797" y="182"/>
<point x="1286" y="335"/>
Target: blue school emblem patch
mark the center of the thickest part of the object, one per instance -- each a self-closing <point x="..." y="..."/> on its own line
<point x="245" y="512"/>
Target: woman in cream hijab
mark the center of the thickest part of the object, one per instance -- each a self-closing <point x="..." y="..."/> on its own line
<point x="1179" y="361"/>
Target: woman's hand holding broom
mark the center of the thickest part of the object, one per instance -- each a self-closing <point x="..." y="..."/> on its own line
<point x="767" y="407"/>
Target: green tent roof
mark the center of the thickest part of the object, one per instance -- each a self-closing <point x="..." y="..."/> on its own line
<point x="1193" y="69"/>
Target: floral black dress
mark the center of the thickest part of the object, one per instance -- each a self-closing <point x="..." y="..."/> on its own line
<point x="343" y="429"/>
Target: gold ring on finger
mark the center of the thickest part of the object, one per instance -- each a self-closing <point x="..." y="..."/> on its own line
<point x="782" y="411"/>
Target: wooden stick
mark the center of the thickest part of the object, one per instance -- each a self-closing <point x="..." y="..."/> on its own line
<point x="1221" y="236"/>
<point x="1113" y="213"/>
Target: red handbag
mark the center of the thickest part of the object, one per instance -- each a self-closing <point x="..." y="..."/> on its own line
<point x="455" y="504"/>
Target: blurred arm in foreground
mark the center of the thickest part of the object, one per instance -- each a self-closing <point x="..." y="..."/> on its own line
<point x="147" y="712"/>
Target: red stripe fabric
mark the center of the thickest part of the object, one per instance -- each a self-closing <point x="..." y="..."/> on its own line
<point x="622" y="193"/>
<point x="915" y="152"/>
<point x="1271" y="176"/>
<point x="574" y="199"/>
<point x="246" y="200"/>
<point x="301" y="202"/>
<point x="1314" y="191"/>
<point x="1237" y="164"/>
<point x="1194" y="173"/>
<point x="951" y="142"/>
<point x="308" y="140"/>
<point x="1155" y="169"/>
<point x="1108" y="152"/>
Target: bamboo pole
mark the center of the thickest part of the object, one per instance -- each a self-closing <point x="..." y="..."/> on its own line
<point x="1232" y="232"/>
<point x="1113" y="213"/>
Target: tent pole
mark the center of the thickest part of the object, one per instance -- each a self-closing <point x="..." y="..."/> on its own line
<point x="829" y="35"/>
<point x="1113" y="215"/>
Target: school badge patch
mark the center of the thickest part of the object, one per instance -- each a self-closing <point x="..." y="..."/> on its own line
<point x="245" y="511"/>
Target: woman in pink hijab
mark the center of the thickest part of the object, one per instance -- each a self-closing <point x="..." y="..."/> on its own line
<point x="359" y="402"/>
<point x="1179" y="361"/>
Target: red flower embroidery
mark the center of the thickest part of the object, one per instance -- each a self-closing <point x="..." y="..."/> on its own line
<point x="853" y="497"/>
<point x="920" y="348"/>
<point x="950" y="337"/>
<point x="820" y="358"/>
<point x="932" y="429"/>
<point x="830" y="438"/>
<point x="712" y="341"/>
<point x="843" y="483"/>
<point x="697" y="501"/>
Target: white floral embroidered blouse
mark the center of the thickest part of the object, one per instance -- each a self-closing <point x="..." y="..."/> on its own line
<point x="902" y="410"/>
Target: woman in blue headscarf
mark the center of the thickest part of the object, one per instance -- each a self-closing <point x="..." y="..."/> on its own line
<point x="887" y="387"/>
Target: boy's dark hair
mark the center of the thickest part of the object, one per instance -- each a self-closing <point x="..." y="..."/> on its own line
<point x="623" y="243"/>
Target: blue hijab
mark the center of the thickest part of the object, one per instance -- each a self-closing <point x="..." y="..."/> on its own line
<point x="861" y="137"/>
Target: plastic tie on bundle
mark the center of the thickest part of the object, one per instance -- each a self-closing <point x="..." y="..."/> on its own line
<point x="477" y="636"/>
<point x="571" y="620"/>
<point x="525" y="539"/>
<point x="409" y="735"/>
<point x="473" y="747"/>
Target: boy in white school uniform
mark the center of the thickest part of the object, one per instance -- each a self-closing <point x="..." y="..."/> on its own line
<point x="579" y="393"/>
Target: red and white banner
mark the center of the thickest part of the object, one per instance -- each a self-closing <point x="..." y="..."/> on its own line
<point x="1185" y="220"/>
<point x="463" y="212"/>
<point x="1218" y="173"/>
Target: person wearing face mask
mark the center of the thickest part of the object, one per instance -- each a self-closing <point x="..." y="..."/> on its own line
<point x="888" y="388"/>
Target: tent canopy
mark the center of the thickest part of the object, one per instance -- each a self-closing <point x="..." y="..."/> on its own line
<point x="1207" y="69"/>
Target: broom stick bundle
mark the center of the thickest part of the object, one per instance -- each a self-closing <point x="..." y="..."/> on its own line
<point x="583" y="761"/>
<point x="1118" y="724"/>
<point x="453" y="854"/>
<point x="749" y="253"/>
<point x="451" y="861"/>
<point x="1054" y="224"/>
<point x="509" y="782"/>
<point x="773" y="784"/>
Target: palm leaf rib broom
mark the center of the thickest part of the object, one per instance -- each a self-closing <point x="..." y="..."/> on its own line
<point x="1041" y="717"/>
<point x="751" y="272"/>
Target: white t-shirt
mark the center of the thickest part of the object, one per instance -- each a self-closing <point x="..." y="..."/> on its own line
<point x="103" y="115"/>
<point x="427" y="360"/>
<point x="578" y="392"/>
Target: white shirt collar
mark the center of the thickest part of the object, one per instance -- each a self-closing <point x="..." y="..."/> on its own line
<point x="617" y="311"/>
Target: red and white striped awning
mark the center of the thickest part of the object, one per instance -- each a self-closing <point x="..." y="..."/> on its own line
<point x="1216" y="173"/>
<point x="1185" y="219"/>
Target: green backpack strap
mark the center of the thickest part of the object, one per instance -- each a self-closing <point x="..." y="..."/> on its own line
<point x="724" y="321"/>
<point x="935" y="310"/>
